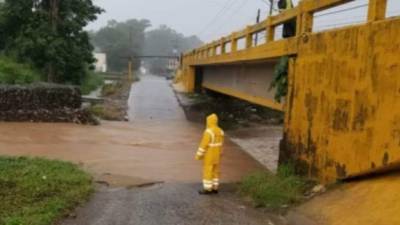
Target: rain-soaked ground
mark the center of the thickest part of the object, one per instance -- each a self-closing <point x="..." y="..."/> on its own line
<point x="145" y="168"/>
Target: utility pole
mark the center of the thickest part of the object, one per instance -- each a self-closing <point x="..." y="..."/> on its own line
<point x="53" y="14"/>
<point x="257" y="21"/>
<point x="130" y="69"/>
<point x="130" y="60"/>
<point x="271" y="7"/>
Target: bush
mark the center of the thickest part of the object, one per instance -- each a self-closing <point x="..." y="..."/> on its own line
<point x="39" y="191"/>
<point x="274" y="191"/>
<point x="280" y="81"/>
<point x="110" y="112"/>
<point x="91" y="82"/>
<point x="12" y="72"/>
<point x="111" y="89"/>
<point x="97" y="110"/>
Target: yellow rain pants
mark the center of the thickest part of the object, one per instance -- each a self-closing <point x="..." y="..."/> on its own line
<point x="209" y="151"/>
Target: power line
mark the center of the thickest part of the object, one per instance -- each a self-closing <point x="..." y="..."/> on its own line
<point x="350" y="22"/>
<point x="227" y="6"/>
<point x="230" y="3"/>
<point x="342" y="10"/>
<point x="234" y="12"/>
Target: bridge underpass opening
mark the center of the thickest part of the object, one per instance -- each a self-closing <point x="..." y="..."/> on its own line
<point x="247" y="81"/>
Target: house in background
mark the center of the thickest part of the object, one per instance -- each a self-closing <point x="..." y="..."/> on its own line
<point x="101" y="62"/>
<point x="173" y="64"/>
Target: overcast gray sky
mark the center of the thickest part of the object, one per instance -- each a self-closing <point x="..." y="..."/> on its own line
<point x="199" y="17"/>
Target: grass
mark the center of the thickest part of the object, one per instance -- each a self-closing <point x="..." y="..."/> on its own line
<point x="111" y="89"/>
<point x="109" y="112"/>
<point x="91" y="82"/>
<point x="274" y="191"/>
<point x="39" y="192"/>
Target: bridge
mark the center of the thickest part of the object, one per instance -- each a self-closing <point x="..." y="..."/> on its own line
<point x="342" y="110"/>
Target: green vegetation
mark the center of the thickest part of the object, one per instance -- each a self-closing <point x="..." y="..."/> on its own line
<point x="50" y="35"/>
<point x="233" y="113"/>
<point x="38" y="191"/>
<point x="97" y="110"/>
<point x="280" y="81"/>
<point x="91" y="82"/>
<point x="274" y="191"/>
<point x="114" y="106"/>
<point x="119" y="40"/>
<point x="116" y="87"/>
<point x="110" y="112"/>
<point x="111" y="89"/>
<point x="166" y="41"/>
<point x="12" y="72"/>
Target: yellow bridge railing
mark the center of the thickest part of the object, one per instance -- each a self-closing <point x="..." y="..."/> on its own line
<point x="217" y="52"/>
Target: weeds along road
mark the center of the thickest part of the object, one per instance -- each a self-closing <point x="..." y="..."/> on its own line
<point x="157" y="146"/>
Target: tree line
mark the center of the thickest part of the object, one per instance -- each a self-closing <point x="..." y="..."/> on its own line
<point x="135" y="38"/>
<point x="50" y="36"/>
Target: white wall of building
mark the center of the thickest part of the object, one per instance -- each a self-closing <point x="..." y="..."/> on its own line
<point x="101" y="62"/>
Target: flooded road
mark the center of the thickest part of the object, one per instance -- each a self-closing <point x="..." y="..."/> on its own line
<point x="156" y="147"/>
<point x="159" y="144"/>
<point x="153" y="99"/>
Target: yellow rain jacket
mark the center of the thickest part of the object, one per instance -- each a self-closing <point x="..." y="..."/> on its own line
<point x="210" y="151"/>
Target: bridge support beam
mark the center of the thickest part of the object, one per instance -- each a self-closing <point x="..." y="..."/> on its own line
<point x="189" y="75"/>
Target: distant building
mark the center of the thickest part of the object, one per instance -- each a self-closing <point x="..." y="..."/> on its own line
<point x="101" y="62"/>
<point x="173" y="64"/>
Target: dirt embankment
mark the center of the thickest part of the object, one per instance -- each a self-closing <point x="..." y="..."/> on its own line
<point x="233" y="113"/>
<point x="115" y="104"/>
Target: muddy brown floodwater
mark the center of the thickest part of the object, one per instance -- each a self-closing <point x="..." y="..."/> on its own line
<point x="158" y="144"/>
<point x="156" y="147"/>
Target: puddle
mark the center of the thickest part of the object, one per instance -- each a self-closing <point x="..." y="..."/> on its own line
<point x="122" y="181"/>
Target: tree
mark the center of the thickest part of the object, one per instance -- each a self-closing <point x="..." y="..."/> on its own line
<point x="50" y="35"/>
<point x="120" y="40"/>
<point x="166" y="41"/>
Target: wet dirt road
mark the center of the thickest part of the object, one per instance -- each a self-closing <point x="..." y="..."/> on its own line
<point x="153" y="99"/>
<point x="157" y="146"/>
<point x="168" y="204"/>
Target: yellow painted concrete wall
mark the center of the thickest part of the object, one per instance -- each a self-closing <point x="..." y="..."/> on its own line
<point x="343" y="111"/>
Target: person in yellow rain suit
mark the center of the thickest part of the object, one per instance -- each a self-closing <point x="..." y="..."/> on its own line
<point x="210" y="151"/>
